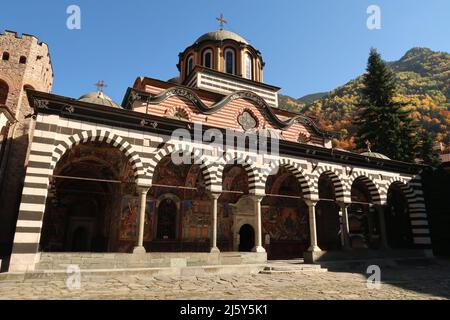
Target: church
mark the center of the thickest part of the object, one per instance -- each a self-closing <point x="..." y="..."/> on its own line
<point x="92" y="180"/>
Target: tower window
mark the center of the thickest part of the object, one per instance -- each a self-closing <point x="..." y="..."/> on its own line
<point x="248" y="66"/>
<point x="23" y="60"/>
<point x="189" y="65"/>
<point x="5" y="56"/>
<point x="207" y="58"/>
<point x="229" y="61"/>
<point x="4" y="89"/>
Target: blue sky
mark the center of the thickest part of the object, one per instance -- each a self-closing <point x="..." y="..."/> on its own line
<point x="308" y="46"/>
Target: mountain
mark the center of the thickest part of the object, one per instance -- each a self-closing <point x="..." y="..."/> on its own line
<point x="423" y="83"/>
<point x="310" y="98"/>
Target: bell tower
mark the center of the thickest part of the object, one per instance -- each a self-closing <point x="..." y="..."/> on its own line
<point x="25" y="64"/>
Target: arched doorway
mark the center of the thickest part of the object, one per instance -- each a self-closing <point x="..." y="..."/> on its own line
<point x="246" y="238"/>
<point x="364" y="222"/>
<point x="82" y="213"/>
<point x="327" y="216"/>
<point x="235" y="208"/>
<point x="167" y="220"/>
<point x="398" y="224"/>
<point x="80" y="241"/>
<point x="285" y="217"/>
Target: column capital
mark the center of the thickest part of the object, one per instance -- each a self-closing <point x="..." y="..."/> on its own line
<point x="310" y="203"/>
<point x="143" y="189"/>
<point x="214" y="195"/>
<point x="257" y="197"/>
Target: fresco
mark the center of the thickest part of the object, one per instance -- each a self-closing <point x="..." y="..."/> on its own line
<point x="129" y="219"/>
<point x="196" y="219"/>
<point x="284" y="223"/>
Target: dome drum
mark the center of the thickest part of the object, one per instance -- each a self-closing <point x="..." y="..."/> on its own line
<point x="223" y="51"/>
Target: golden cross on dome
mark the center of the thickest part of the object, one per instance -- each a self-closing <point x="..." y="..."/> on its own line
<point x="222" y="21"/>
<point x="101" y="85"/>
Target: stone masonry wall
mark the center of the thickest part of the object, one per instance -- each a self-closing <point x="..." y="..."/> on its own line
<point x="37" y="74"/>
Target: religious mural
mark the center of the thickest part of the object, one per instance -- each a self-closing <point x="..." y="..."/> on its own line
<point x="129" y="219"/>
<point x="285" y="223"/>
<point x="196" y="219"/>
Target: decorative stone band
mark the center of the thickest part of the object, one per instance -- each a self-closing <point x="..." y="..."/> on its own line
<point x="206" y="166"/>
<point x="100" y="136"/>
<point x="417" y="211"/>
<point x="299" y="171"/>
<point x="249" y="166"/>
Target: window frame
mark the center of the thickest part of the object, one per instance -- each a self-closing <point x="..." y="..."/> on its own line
<point x="189" y="65"/>
<point x="205" y="52"/>
<point x="248" y="63"/>
<point x="233" y="52"/>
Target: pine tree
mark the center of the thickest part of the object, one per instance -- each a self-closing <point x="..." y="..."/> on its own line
<point x="427" y="152"/>
<point x="383" y="121"/>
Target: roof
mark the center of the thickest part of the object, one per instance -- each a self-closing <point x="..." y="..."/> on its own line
<point x="99" y="98"/>
<point x="220" y="35"/>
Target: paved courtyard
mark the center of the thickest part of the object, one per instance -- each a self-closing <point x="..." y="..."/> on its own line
<point x="404" y="282"/>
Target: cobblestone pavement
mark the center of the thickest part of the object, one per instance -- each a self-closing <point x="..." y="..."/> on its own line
<point x="408" y="282"/>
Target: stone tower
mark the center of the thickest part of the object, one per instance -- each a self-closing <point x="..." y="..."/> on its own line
<point x="24" y="64"/>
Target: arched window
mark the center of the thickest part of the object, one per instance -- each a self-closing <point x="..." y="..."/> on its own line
<point x="23" y="60"/>
<point x="248" y="66"/>
<point x="230" y="61"/>
<point x="4" y="89"/>
<point x="189" y="65"/>
<point x="208" y="58"/>
<point x="5" y="56"/>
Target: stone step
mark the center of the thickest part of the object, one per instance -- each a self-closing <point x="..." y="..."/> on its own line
<point x="60" y="261"/>
<point x="291" y="268"/>
<point x="87" y="274"/>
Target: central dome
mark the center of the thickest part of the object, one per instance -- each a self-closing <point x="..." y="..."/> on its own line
<point x="220" y="35"/>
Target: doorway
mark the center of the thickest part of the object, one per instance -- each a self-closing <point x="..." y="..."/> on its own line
<point x="247" y="238"/>
<point x="167" y="220"/>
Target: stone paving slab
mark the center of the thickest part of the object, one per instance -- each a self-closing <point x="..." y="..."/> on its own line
<point x="402" y="282"/>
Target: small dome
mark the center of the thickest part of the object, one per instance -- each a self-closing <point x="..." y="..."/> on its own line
<point x="375" y="155"/>
<point x="220" y="35"/>
<point x="175" y="80"/>
<point x="98" y="98"/>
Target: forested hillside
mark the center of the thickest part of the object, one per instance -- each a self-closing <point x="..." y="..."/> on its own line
<point x="423" y="82"/>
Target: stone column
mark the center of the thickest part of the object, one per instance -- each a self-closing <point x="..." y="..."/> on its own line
<point x="258" y="232"/>
<point x="142" y="204"/>
<point x="312" y="226"/>
<point x="214" y="197"/>
<point x="345" y="229"/>
<point x="380" y="211"/>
